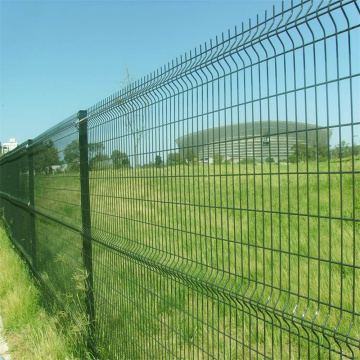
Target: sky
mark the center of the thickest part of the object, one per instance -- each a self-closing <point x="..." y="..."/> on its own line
<point x="58" y="57"/>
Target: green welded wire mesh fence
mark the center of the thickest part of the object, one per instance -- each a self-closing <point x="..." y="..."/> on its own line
<point x="212" y="208"/>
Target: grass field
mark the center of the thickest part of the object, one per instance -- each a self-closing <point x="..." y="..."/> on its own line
<point x="213" y="261"/>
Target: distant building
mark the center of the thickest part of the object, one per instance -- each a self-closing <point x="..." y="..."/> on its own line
<point x="256" y="140"/>
<point x="6" y="147"/>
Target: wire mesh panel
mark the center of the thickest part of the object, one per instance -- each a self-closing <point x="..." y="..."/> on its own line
<point x="41" y="182"/>
<point x="223" y="196"/>
<point x="211" y="209"/>
<point x="15" y="195"/>
<point x="57" y="200"/>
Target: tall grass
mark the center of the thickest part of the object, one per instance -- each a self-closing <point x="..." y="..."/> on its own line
<point x="200" y="246"/>
<point x="32" y="333"/>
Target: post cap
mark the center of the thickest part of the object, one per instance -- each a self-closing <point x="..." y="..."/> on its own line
<point x="81" y="114"/>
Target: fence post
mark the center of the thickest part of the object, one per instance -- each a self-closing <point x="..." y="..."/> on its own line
<point x="32" y="203"/>
<point x="86" y="220"/>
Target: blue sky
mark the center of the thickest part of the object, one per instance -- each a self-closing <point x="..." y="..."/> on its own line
<point x="61" y="56"/>
<point x="58" y="57"/>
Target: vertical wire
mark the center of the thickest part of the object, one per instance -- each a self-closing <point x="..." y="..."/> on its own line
<point x="216" y="107"/>
<point x="307" y="191"/>
<point x="121" y="218"/>
<point x="278" y="176"/>
<point x="281" y="176"/>
<point x="254" y="137"/>
<point x="121" y="185"/>
<point x="299" y="260"/>
<point x="208" y="248"/>
<point x="228" y="207"/>
<point x="183" y="213"/>
<point x="317" y="182"/>
<point x="202" y="231"/>
<point x="281" y="250"/>
<point x="156" y="204"/>
<point x="124" y="222"/>
<point x="247" y="203"/>
<point x="291" y="253"/>
<point x="190" y="184"/>
<point x="220" y="177"/>
<point x="241" y="240"/>
<point x="236" y="275"/>
<point x="170" y="208"/>
<point x="161" y="206"/>
<point x="131" y="233"/>
<point x="146" y="237"/>
<point x="174" y="190"/>
<point x="340" y="163"/>
<point x="201" y="209"/>
<point x="353" y="175"/>
<point x="271" y="187"/>
<point x="181" y="173"/>
<point x="307" y="87"/>
<point x="267" y="93"/>
<point x="262" y="207"/>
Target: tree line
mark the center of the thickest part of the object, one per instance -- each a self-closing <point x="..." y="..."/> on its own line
<point x="98" y="159"/>
<point x="322" y="152"/>
<point x="46" y="156"/>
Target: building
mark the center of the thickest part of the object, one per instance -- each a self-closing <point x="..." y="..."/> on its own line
<point x="260" y="140"/>
<point x="6" y="147"/>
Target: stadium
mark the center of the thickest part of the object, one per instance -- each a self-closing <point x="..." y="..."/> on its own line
<point x="260" y="140"/>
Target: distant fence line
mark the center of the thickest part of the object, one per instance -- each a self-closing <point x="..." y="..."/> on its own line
<point x="212" y="208"/>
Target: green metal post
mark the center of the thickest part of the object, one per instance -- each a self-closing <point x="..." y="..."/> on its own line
<point x="32" y="203"/>
<point x="86" y="219"/>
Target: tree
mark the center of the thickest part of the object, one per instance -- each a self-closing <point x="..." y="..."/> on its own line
<point x="312" y="153"/>
<point x="356" y="150"/>
<point x="72" y="156"/>
<point x="300" y="153"/>
<point x="173" y="159"/>
<point x="342" y="150"/>
<point x="248" y="160"/>
<point x="270" y="160"/>
<point x="120" y="159"/>
<point x="134" y="117"/>
<point x="99" y="162"/>
<point x="190" y="155"/>
<point x="95" y="149"/>
<point x="218" y="159"/>
<point x="45" y="156"/>
<point x="158" y="161"/>
<point x="97" y="159"/>
<point x="322" y="152"/>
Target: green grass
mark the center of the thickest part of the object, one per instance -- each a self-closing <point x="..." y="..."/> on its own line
<point x="283" y="236"/>
<point x="32" y="333"/>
